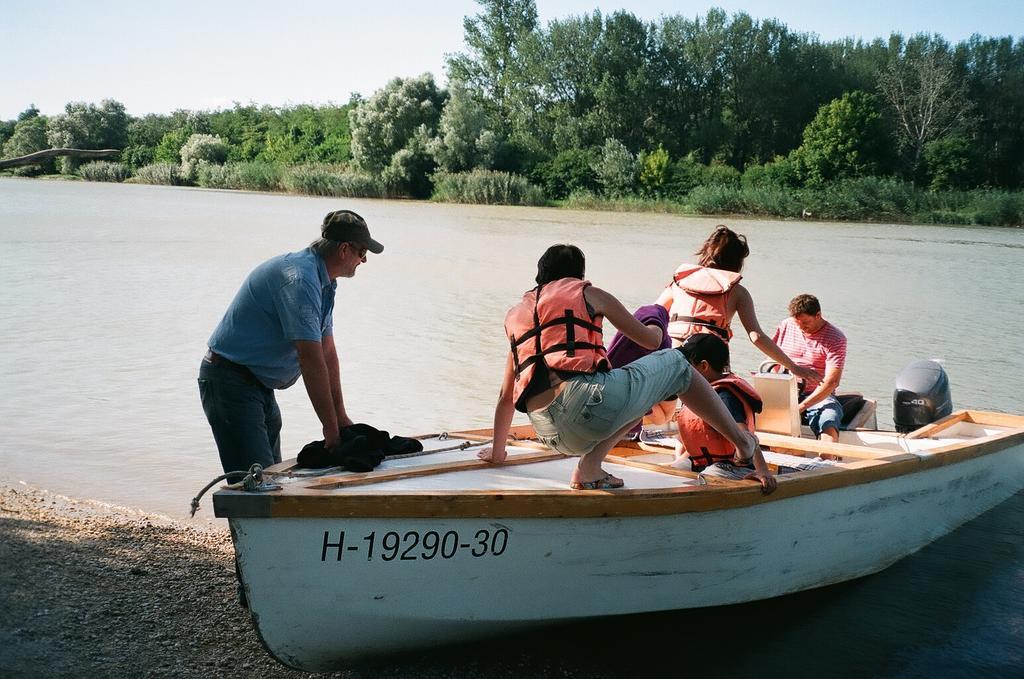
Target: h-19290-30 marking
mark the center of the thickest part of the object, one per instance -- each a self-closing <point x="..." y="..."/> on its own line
<point x="412" y="546"/>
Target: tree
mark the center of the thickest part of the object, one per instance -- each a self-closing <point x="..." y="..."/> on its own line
<point x="306" y="134"/>
<point x="846" y="139"/>
<point x="144" y="135"/>
<point x="927" y="98"/>
<point x="29" y="136"/>
<point x="495" y="64"/>
<point x="616" y="169"/>
<point x="87" y="126"/>
<point x="411" y="166"/>
<point x="30" y="112"/>
<point x="464" y="141"/>
<point x="567" y="172"/>
<point x="654" y="171"/>
<point x="994" y="75"/>
<point x="950" y="163"/>
<point x="386" y="123"/>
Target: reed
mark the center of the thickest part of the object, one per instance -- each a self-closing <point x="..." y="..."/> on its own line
<point x="168" y="174"/>
<point x="485" y="187"/>
<point x="252" y="176"/>
<point x="332" y="180"/>
<point x="104" y="171"/>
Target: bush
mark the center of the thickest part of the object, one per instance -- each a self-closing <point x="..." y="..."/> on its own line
<point x="567" y="172"/>
<point x="158" y="173"/>
<point x="767" y="200"/>
<point x="104" y="171"/>
<point x="202" y="148"/>
<point x="998" y="208"/>
<point x="950" y="162"/>
<point x="137" y="156"/>
<point x="866" y="198"/>
<point x="332" y="180"/>
<point x="688" y="173"/>
<point x="486" y="187"/>
<point x="942" y="217"/>
<point x="782" y="172"/>
<point x="654" y="171"/>
<point x="585" y="200"/>
<point x="254" y="176"/>
<point x="616" y="170"/>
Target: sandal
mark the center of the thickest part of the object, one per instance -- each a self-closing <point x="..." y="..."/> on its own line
<point x="606" y="482"/>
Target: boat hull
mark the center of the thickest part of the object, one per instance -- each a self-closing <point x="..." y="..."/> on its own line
<point x="324" y="594"/>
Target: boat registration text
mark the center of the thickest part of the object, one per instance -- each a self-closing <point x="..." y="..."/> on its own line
<point x="413" y="545"/>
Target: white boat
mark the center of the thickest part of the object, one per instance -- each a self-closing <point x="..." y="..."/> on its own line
<point x="441" y="547"/>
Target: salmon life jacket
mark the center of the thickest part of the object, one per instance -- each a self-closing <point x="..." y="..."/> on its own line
<point x="700" y="301"/>
<point x="702" y="441"/>
<point x="553" y="327"/>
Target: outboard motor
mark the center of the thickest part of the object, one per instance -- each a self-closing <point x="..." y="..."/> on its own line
<point x="921" y="397"/>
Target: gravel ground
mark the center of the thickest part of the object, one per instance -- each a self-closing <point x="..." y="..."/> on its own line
<point x="87" y="590"/>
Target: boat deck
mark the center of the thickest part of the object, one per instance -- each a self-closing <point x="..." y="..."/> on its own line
<point x="448" y="479"/>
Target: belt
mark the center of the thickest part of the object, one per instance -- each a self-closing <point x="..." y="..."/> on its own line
<point x="213" y="358"/>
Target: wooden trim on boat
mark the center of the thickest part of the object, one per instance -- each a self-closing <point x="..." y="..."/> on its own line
<point x="329" y="482"/>
<point x="984" y="418"/>
<point x="978" y="417"/>
<point x="301" y="501"/>
<point x="780" y="443"/>
<point x="625" y="461"/>
<point x="519" y="432"/>
<point x="930" y="430"/>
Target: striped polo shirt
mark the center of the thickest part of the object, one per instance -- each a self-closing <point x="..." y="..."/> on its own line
<point x="818" y="351"/>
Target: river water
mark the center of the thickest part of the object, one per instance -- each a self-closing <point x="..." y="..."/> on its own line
<point x="109" y="293"/>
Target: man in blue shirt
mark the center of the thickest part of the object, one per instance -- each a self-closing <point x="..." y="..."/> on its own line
<point x="279" y="326"/>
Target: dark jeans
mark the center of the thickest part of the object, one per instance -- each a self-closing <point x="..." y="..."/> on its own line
<point x="244" y="416"/>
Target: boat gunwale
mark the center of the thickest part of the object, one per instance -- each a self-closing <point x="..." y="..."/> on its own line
<point x="628" y="502"/>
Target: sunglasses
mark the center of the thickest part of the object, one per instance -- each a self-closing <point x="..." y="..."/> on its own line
<point x="360" y="249"/>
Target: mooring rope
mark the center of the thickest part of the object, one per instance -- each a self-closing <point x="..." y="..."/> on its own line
<point x="254" y="477"/>
<point x="251" y="481"/>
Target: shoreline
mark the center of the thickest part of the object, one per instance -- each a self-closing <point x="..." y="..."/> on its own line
<point x="98" y="590"/>
<point x="92" y="589"/>
<point x="636" y="206"/>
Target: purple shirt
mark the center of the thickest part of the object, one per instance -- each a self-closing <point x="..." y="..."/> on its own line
<point x="623" y="351"/>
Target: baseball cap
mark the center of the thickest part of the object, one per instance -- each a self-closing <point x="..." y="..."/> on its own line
<point x="346" y="226"/>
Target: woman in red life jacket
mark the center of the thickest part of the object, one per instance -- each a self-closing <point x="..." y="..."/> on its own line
<point x="557" y="372"/>
<point x="707" y="451"/>
<point x="704" y="297"/>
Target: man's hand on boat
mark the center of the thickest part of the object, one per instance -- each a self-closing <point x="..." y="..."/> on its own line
<point x="807" y="374"/>
<point x="767" y="480"/>
<point x="493" y="454"/>
<point x="761" y="473"/>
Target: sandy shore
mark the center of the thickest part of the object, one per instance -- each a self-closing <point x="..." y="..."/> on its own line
<point x="89" y="590"/>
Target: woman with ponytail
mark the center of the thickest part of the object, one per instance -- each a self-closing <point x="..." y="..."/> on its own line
<point x="704" y="297"/>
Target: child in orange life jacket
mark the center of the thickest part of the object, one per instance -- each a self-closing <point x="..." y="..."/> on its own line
<point x="707" y="451"/>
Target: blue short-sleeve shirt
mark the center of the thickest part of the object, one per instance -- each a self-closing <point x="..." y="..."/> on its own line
<point x="284" y="299"/>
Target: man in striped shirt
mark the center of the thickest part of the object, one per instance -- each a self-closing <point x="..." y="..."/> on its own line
<point x="813" y="342"/>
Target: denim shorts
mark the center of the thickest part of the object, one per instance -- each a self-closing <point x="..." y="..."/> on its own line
<point x="824" y="414"/>
<point x="590" y="408"/>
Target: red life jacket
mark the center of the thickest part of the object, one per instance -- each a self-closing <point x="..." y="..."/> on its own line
<point x="700" y="301"/>
<point x="702" y="441"/>
<point x="553" y="327"/>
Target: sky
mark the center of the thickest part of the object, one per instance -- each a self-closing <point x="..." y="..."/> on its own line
<point x="186" y="54"/>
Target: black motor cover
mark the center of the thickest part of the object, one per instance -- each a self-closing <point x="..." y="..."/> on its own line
<point x="921" y="397"/>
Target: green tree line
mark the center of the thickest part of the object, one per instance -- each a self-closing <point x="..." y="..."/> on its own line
<point x="610" y="107"/>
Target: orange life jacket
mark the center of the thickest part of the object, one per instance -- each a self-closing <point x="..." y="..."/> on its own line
<point x="703" y="443"/>
<point x="553" y="327"/>
<point x="700" y="301"/>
